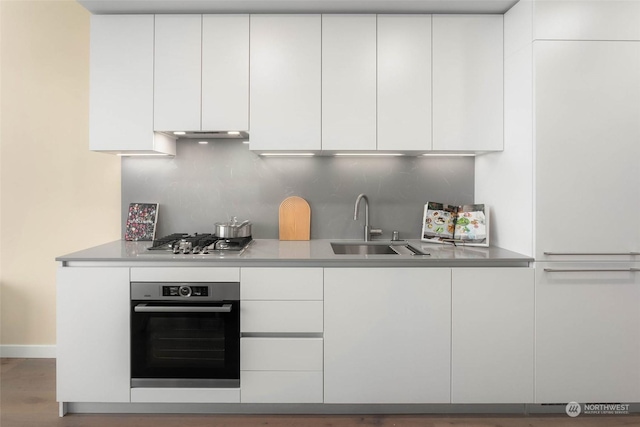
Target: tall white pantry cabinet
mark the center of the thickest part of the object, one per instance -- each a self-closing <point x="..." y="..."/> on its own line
<point x="572" y="150"/>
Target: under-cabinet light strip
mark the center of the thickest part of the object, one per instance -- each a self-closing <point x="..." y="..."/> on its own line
<point x="448" y="155"/>
<point x="287" y="154"/>
<point x="143" y="155"/>
<point x="368" y="154"/>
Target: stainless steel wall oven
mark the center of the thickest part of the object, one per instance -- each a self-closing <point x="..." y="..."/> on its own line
<point x="185" y="334"/>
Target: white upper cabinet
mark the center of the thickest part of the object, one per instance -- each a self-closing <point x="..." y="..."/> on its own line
<point x="201" y="73"/>
<point x="468" y="82"/>
<point x="587" y="147"/>
<point x="404" y="82"/>
<point x="587" y="20"/>
<point x="285" y="86"/>
<point x="177" y="68"/>
<point x="121" y="86"/>
<point x="225" y="72"/>
<point x="348" y="82"/>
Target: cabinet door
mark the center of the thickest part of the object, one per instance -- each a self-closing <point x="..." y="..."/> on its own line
<point x="587" y="147"/>
<point x="121" y="85"/>
<point x="492" y="335"/>
<point x="93" y="335"/>
<point x="587" y="333"/>
<point x="467" y="82"/>
<point x="607" y="20"/>
<point x="387" y="335"/>
<point x="178" y="47"/>
<point x="285" y="82"/>
<point x="348" y="82"/>
<point x="404" y="82"/>
<point x="225" y="72"/>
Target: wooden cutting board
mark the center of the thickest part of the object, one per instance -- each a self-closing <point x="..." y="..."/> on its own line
<point x="295" y="219"/>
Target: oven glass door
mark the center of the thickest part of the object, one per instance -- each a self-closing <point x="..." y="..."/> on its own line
<point x="178" y="344"/>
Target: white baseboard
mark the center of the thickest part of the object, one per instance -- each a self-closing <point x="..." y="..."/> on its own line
<point x="28" y="351"/>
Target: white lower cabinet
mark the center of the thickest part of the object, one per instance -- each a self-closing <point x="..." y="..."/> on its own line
<point x="92" y="334"/>
<point x="281" y="347"/>
<point x="587" y="332"/>
<point x="281" y="316"/>
<point x="281" y="284"/>
<point x="281" y="386"/>
<point x="378" y="335"/>
<point x="281" y="354"/>
<point x="281" y="370"/>
<point x="387" y="335"/>
<point x="492" y="335"/>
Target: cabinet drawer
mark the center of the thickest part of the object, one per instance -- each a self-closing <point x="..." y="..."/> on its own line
<point x="185" y="395"/>
<point x="281" y="387"/>
<point x="281" y="284"/>
<point x="281" y="354"/>
<point x="185" y="274"/>
<point x="281" y="316"/>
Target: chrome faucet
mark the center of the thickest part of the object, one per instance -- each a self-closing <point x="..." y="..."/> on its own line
<point x="368" y="231"/>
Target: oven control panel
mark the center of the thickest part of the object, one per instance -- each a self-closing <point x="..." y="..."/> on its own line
<point x="185" y="291"/>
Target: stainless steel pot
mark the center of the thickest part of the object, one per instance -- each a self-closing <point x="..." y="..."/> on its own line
<point x="231" y="229"/>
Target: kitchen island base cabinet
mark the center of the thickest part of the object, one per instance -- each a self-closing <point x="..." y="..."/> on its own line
<point x="93" y="334"/>
<point x="387" y="335"/>
<point x="492" y="335"/>
<point x="587" y="332"/>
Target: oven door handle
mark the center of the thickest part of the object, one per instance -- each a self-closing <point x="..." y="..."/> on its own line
<point x="144" y="308"/>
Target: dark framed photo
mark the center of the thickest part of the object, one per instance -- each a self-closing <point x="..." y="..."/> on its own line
<point x="141" y="221"/>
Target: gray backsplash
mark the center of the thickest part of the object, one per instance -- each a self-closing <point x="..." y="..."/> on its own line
<point x="204" y="184"/>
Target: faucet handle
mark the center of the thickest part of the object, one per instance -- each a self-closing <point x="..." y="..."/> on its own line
<point x="375" y="232"/>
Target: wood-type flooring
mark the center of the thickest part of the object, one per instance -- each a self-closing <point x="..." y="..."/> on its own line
<point x="27" y="399"/>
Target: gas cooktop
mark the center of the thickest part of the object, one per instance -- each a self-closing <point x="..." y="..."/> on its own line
<point x="198" y="243"/>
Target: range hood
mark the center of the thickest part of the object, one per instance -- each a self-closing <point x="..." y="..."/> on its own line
<point x="231" y="135"/>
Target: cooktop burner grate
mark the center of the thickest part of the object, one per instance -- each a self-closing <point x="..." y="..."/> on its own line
<point x="198" y="243"/>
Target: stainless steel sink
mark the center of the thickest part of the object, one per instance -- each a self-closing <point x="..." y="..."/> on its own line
<point x="374" y="248"/>
<point x="362" y="249"/>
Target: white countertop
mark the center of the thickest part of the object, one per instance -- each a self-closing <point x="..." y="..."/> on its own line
<point x="312" y="253"/>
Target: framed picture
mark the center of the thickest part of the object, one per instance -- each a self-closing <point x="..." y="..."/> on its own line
<point x="141" y="221"/>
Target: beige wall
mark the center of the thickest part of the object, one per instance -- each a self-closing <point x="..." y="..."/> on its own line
<point x="56" y="196"/>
